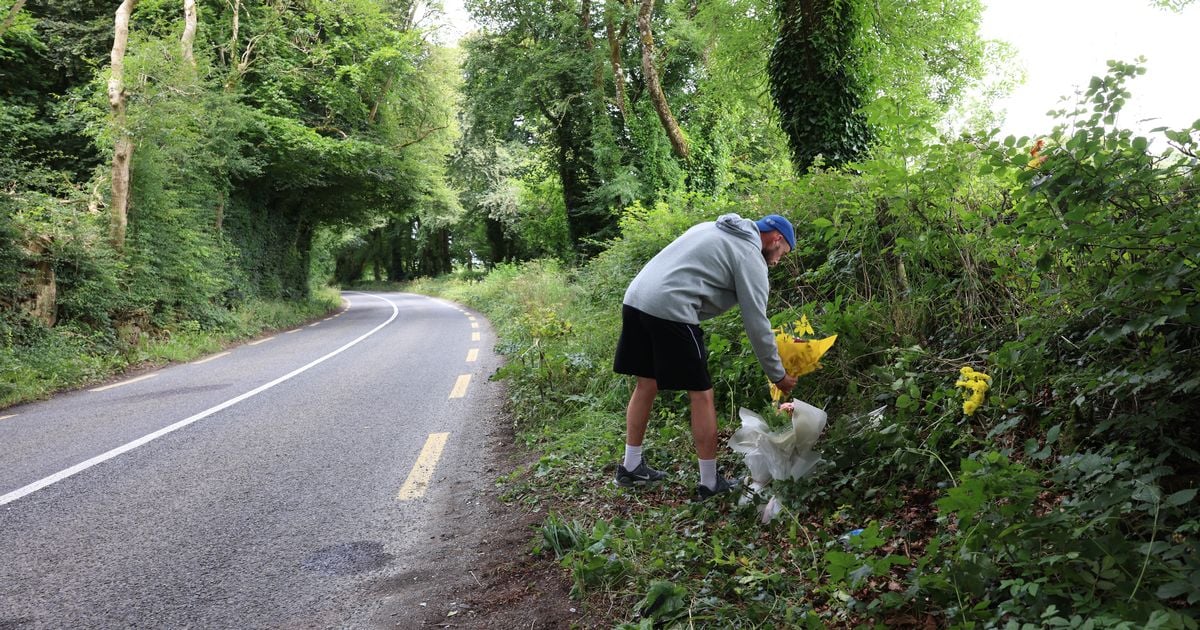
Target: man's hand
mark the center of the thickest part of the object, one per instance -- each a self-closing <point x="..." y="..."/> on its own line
<point x="786" y="383"/>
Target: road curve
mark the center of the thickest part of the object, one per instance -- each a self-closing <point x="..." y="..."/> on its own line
<point x="277" y="485"/>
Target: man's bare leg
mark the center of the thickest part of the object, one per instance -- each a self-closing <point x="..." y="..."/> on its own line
<point x="704" y="432"/>
<point x="637" y="416"/>
<point x="704" y="423"/>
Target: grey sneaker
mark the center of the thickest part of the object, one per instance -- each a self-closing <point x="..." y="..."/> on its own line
<point x="639" y="476"/>
<point x="723" y="486"/>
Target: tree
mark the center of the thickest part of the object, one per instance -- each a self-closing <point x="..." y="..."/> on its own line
<point x="678" y="142"/>
<point x="189" y="32"/>
<point x="534" y="78"/>
<point x="835" y="57"/>
<point x="123" y="145"/>
<point x="11" y="17"/>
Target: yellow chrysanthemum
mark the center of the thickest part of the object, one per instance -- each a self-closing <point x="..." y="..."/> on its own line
<point x="976" y="385"/>
<point x="803" y="327"/>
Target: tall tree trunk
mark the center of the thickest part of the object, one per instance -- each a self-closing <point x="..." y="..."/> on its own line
<point x="614" y="55"/>
<point x="589" y="44"/>
<point x="819" y="99"/>
<point x="123" y="146"/>
<point x="44" y="304"/>
<point x="189" y="32"/>
<point x="12" y="16"/>
<point x="678" y="143"/>
<point x="238" y="62"/>
<point x="233" y="38"/>
<point x="234" y="73"/>
<point x="387" y="87"/>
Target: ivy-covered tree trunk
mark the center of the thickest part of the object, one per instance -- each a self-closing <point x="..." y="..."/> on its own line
<point x="576" y="174"/>
<point x="295" y="285"/>
<point x="815" y="83"/>
<point x="498" y="240"/>
<point x="123" y="145"/>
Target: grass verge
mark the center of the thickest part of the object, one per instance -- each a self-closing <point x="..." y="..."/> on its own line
<point x="918" y="517"/>
<point x="44" y="361"/>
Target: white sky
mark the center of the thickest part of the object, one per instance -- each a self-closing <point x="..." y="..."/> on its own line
<point x="458" y="22"/>
<point x="1061" y="45"/>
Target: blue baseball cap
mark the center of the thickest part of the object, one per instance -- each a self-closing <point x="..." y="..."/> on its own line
<point x="778" y="224"/>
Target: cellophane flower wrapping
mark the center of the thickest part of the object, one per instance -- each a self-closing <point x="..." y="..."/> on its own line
<point x="784" y="454"/>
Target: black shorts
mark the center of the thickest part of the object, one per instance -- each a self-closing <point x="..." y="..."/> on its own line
<point x="671" y="353"/>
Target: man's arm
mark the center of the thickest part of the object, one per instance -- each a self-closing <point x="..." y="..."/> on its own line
<point x="751" y="285"/>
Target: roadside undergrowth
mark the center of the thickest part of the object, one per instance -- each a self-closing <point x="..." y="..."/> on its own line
<point x="41" y="361"/>
<point x="1011" y="438"/>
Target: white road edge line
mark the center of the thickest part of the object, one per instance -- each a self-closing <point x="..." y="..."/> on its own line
<point x="103" y="457"/>
<point x="13" y="415"/>
<point x="212" y="358"/>
<point x="123" y="383"/>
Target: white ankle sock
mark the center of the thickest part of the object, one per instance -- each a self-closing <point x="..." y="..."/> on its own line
<point x="633" y="457"/>
<point x="708" y="473"/>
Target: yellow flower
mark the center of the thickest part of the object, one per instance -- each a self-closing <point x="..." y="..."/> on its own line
<point x="977" y="383"/>
<point x="803" y="327"/>
<point x="1035" y="153"/>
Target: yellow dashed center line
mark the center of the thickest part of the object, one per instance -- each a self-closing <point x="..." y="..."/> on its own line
<point x="212" y="358"/>
<point x="132" y="380"/>
<point x="422" y="471"/>
<point x="460" y="386"/>
<point x="471" y="318"/>
<point x="255" y="343"/>
<point x="474" y="324"/>
<point x="472" y="355"/>
<point x="474" y="336"/>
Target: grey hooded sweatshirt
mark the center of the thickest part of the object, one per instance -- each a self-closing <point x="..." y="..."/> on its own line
<point x="705" y="272"/>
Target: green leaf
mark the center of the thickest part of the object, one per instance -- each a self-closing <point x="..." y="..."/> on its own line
<point x="1146" y="494"/>
<point x="1052" y="434"/>
<point x="1181" y="497"/>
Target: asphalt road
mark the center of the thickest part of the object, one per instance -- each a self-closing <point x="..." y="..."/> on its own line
<point x="276" y="485"/>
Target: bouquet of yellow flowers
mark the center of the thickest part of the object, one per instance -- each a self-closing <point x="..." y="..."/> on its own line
<point x="975" y="386"/>
<point x="800" y="355"/>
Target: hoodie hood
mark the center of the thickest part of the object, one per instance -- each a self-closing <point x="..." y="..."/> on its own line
<point x="736" y="225"/>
